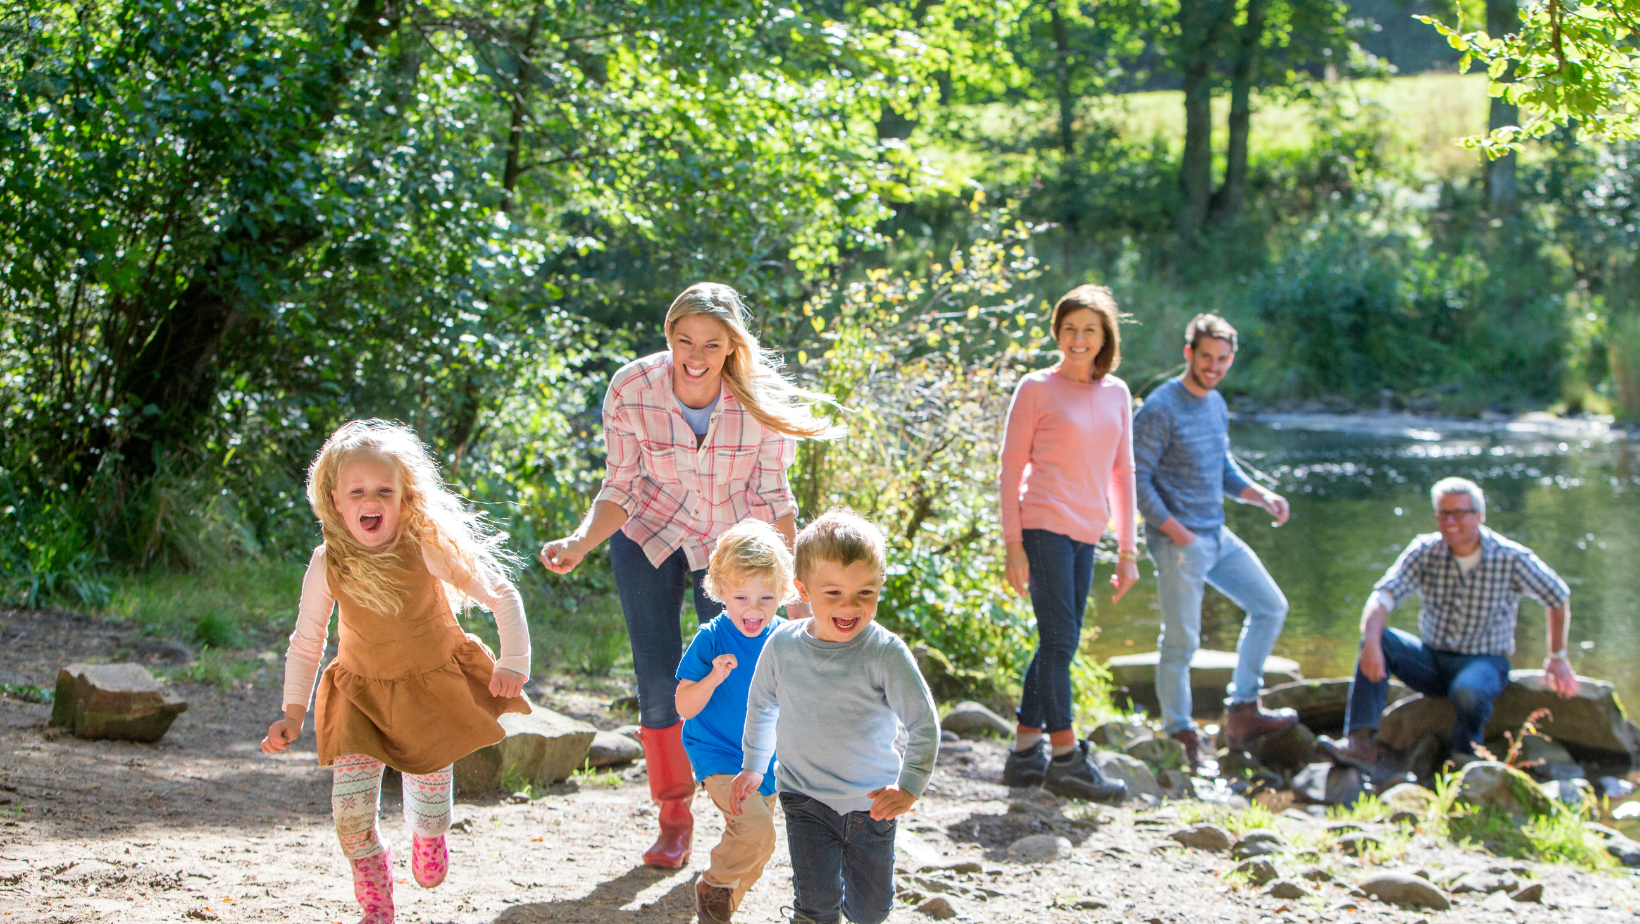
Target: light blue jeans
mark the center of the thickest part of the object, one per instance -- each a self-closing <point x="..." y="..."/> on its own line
<point x="1224" y="561"/>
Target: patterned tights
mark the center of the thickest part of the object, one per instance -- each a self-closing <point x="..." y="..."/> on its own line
<point x="355" y="800"/>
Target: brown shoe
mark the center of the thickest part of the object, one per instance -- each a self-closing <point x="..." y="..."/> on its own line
<point x="713" y="903"/>
<point x="1244" y="722"/>
<point x="1192" y="741"/>
<point x="1359" y="750"/>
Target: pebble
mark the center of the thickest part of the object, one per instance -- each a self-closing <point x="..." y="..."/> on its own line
<point x="1203" y="837"/>
<point x="1354" y="845"/>
<point x="939" y="908"/>
<point x="1258" y="843"/>
<point x="1405" y="890"/>
<point x="1532" y="893"/>
<point x="1257" y="870"/>
<point x="1287" y="889"/>
<point x="1039" y="848"/>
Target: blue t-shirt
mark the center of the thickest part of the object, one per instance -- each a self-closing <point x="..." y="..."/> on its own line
<point x="698" y="418"/>
<point x="713" y="738"/>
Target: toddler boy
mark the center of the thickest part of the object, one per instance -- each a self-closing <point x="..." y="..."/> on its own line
<point x="751" y="574"/>
<point x="830" y="694"/>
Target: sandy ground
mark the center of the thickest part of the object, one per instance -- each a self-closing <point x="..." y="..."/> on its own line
<point x="203" y="826"/>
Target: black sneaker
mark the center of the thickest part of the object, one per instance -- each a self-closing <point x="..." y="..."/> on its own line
<point x="1076" y="776"/>
<point x="1027" y="767"/>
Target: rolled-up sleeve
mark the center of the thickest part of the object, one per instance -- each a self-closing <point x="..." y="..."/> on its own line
<point x="1401" y="580"/>
<point x="622" y="453"/>
<point x="775" y="454"/>
<point x="1539" y="581"/>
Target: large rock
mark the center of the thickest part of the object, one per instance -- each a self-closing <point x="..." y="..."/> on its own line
<point x="1160" y="753"/>
<point x="1408" y="797"/>
<point x="121" y="701"/>
<point x="1286" y="751"/>
<point x="612" y="749"/>
<point x="1323" y="783"/>
<point x="1119" y="735"/>
<point x="541" y="748"/>
<point x="1488" y="783"/>
<point x="1210" y="673"/>
<point x="1132" y="771"/>
<point x="971" y="720"/>
<point x="1592" y="719"/>
<point x="1320" y="704"/>
<point x="1409" y="720"/>
<point x="1405" y="890"/>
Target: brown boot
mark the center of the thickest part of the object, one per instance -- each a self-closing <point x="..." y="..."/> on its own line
<point x="1192" y="741"/>
<point x="713" y="904"/>
<point x="1359" y="750"/>
<point x="1244" y="722"/>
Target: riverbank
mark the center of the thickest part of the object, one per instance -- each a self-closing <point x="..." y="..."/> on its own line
<point x="203" y="826"/>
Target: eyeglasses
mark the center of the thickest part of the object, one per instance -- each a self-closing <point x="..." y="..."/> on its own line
<point x="1454" y="514"/>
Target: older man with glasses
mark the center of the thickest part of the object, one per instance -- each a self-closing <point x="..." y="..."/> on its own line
<point x="1470" y="580"/>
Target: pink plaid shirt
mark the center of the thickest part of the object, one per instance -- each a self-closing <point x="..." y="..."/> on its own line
<point x="677" y="496"/>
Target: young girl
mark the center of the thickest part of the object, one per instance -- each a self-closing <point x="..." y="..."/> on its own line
<point x="408" y="688"/>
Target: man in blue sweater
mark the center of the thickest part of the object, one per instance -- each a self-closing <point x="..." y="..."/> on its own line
<point x="1183" y="470"/>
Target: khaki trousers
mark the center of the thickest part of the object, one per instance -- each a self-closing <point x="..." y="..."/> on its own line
<point x="748" y="839"/>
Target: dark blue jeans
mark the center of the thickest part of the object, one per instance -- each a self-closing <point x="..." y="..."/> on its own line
<point x="841" y="864"/>
<point x="1061" y="576"/>
<point x="1471" y="682"/>
<point x="652" y="601"/>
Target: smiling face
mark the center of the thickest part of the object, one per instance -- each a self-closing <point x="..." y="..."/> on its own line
<point x="751" y="606"/>
<point x="367" y="495"/>
<point x="1209" y="360"/>
<point x="843" y="598"/>
<point x="699" y="344"/>
<point x="1081" y="335"/>
<point x="1459" y="522"/>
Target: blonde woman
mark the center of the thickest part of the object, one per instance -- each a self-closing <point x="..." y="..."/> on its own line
<point x="699" y="437"/>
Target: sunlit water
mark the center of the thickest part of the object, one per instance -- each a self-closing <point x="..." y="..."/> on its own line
<point x="1358" y="498"/>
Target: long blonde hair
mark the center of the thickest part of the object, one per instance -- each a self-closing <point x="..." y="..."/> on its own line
<point x="429" y="514"/>
<point x="751" y="372"/>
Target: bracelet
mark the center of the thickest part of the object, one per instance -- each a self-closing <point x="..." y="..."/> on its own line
<point x="1558" y="656"/>
<point x="1127" y="555"/>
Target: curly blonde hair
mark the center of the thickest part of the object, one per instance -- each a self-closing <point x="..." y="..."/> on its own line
<point x="751" y="372"/>
<point x="429" y="514"/>
<point x="750" y="549"/>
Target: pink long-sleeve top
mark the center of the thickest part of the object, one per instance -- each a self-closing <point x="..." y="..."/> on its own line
<point x="1067" y="460"/>
<point x="307" y="643"/>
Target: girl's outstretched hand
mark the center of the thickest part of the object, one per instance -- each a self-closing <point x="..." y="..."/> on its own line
<point x="280" y="736"/>
<point x="505" y="683"/>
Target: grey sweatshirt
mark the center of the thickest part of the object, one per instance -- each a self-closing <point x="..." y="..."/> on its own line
<point x="1181" y="459"/>
<point x="833" y="711"/>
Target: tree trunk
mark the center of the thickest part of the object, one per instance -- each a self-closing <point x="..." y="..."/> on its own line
<point x="1227" y="202"/>
<point x="1067" y="105"/>
<point x="1502" y="18"/>
<point x="1198" y="42"/>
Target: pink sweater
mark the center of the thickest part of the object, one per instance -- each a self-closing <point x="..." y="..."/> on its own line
<point x="1067" y="460"/>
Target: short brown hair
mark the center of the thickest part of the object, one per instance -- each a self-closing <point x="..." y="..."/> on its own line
<point x="1209" y="325"/>
<point x="1098" y="300"/>
<point x="842" y="537"/>
<point x="749" y="549"/>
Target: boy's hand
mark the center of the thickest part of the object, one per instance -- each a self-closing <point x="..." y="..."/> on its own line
<point x="505" y="683"/>
<point x="744" y="784"/>
<point x="280" y="736"/>
<point x="890" y="802"/>
<point x="721" y="666"/>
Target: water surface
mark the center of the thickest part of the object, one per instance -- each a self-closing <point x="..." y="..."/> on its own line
<point x="1570" y="492"/>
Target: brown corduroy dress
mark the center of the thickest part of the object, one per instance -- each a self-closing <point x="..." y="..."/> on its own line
<point x="410" y="688"/>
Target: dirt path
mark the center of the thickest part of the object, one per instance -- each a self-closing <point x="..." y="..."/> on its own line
<point x="203" y="826"/>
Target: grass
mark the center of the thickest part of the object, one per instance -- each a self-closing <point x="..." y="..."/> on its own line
<point x="589" y="775"/>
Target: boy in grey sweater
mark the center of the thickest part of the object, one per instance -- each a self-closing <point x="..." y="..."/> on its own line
<point x="830" y="694"/>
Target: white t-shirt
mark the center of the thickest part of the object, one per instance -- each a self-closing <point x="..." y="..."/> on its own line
<point x="1466" y="564"/>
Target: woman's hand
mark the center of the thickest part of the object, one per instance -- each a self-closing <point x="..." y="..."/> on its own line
<point x="505" y="683"/>
<point x="1018" y="569"/>
<point x="562" y="555"/>
<point x="1127" y="575"/>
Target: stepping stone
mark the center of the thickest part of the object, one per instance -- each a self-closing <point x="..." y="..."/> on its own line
<point x="541" y="748"/>
<point x="1210" y="673"/>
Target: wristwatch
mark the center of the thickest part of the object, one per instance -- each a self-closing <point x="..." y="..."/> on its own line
<point x="1559" y="656"/>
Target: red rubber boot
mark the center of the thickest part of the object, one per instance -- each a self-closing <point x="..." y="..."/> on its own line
<point x="672" y="786"/>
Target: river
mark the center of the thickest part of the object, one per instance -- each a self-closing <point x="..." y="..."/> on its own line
<point x="1359" y="492"/>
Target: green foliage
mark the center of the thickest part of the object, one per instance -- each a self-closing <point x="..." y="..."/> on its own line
<point x="28" y="693"/>
<point x="217" y="668"/>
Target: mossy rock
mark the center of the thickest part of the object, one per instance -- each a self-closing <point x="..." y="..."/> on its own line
<point x="1491" y="784"/>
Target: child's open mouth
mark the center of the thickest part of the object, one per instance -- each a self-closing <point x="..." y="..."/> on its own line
<point x="845" y="625"/>
<point x="370" y="522"/>
<point x="751" y="626"/>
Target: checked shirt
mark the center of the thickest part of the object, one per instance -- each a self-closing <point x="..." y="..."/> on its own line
<point x="677" y="496"/>
<point x="1473" y="614"/>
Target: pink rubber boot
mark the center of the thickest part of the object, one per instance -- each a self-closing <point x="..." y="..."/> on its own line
<point x="373" y="887"/>
<point x="429" y="860"/>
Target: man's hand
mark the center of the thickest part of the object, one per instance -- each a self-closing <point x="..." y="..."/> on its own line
<point x="890" y="802"/>
<point x="1127" y="575"/>
<point x="280" y="736"/>
<point x="505" y="683"/>
<point x="1372" y="660"/>
<point x="744" y="784"/>
<point x="721" y="666"/>
<point x="1017" y="570"/>
<point x="1178" y="532"/>
<point x="1558" y="671"/>
<point x="1276" y="506"/>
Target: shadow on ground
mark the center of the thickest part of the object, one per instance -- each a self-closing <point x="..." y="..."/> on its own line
<point x="604" y="903"/>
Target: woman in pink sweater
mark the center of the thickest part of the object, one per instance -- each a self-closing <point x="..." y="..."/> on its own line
<point x="1067" y="473"/>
